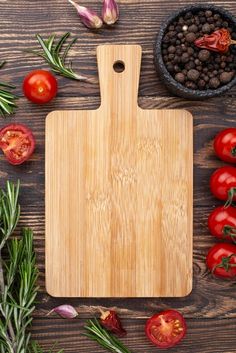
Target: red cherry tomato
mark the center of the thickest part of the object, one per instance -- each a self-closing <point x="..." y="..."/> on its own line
<point x="222" y="223"/>
<point x="17" y="143"/>
<point x="40" y="86"/>
<point x="223" y="184"/>
<point x="225" y="145"/>
<point x="166" y="329"/>
<point x="221" y="260"/>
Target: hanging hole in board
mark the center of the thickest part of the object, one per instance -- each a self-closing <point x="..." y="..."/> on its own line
<point x="119" y="66"/>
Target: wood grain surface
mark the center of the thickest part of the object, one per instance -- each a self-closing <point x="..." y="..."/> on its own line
<point x="115" y="194"/>
<point x="210" y="309"/>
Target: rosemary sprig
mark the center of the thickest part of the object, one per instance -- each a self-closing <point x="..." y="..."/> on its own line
<point x="35" y="348"/>
<point x="7" y="99"/>
<point x="97" y="333"/>
<point x="53" y="54"/>
<point x="18" y="277"/>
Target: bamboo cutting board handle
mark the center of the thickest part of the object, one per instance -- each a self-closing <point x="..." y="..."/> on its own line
<point x="119" y="89"/>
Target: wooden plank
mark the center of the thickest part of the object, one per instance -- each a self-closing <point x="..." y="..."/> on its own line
<point x="139" y="23"/>
<point x="208" y="336"/>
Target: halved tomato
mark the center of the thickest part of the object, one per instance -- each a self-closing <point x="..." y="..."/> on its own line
<point x="17" y="143"/>
<point x="166" y="329"/>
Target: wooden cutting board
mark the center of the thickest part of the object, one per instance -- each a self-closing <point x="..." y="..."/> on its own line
<point x="119" y="192"/>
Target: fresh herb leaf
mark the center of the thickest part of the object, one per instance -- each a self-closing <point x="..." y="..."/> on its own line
<point x="7" y="99"/>
<point x="52" y="52"/>
<point x="97" y="333"/>
<point x="18" y="277"/>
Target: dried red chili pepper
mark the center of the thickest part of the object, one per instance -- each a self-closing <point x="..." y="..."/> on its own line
<point x="110" y="320"/>
<point x="218" y="41"/>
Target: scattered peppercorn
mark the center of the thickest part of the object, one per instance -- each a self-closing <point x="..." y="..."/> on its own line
<point x="193" y="67"/>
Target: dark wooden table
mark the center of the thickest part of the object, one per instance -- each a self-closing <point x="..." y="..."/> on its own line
<point x="210" y="309"/>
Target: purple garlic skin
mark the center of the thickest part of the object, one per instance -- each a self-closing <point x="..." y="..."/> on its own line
<point x="110" y="12"/>
<point x="65" y="311"/>
<point x="89" y="17"/>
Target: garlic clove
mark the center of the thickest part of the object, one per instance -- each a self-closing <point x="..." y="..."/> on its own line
<point x="66" y="311"/>
<point x="89" y="17"/>
<point x="110" y="12"/>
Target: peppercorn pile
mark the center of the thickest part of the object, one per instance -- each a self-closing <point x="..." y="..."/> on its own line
<point x="193" y="67"/>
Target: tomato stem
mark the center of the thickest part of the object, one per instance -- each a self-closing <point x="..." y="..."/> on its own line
<point x="229" y="231"/>
<point x="233" y="151"/>
<point x="231" y="194"/>
<point x="225" y="263"/>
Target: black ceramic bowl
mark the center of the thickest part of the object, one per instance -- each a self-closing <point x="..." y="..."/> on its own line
<point x="175" y="87"/>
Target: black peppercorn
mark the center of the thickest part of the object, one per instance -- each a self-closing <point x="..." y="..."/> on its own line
<point x="188" y="15"/>
<point x="201" y="84"/>
<point x="181" y="21"/>
<point x="216" y="16"/>
<point x="178" y="28"/>
<point x="226" y="77"/>
<point x="178" y="51"/>
<point x="193" y="75"/>
<point x="202" y="20"/>
<point x="214" y="82"/>
<point x="204" y="55"/>
<point x="177" y="68"/>
<point x="180" y="77"/>
<point x="184" y="58"/>
<point x="190" y="37"/>
<point x="190" y="65"/>
<point x="210" y="20"/>
<point x="180" y="35"/>
<point x="171" y="56"/>
<point x="165" y="57"/>
<point x="171" y="49"/>
<point x="206" y="28"/>
<point x="193" y="28"/>
<point x="191" y="85"/>
<point x="208" y="13"/>
<point x="170" y="67"/>
<point x="190" y="51"/>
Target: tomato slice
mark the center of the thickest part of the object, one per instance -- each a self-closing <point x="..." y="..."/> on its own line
<point x="166" y="329"/>
<point x="17" y="143"/>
